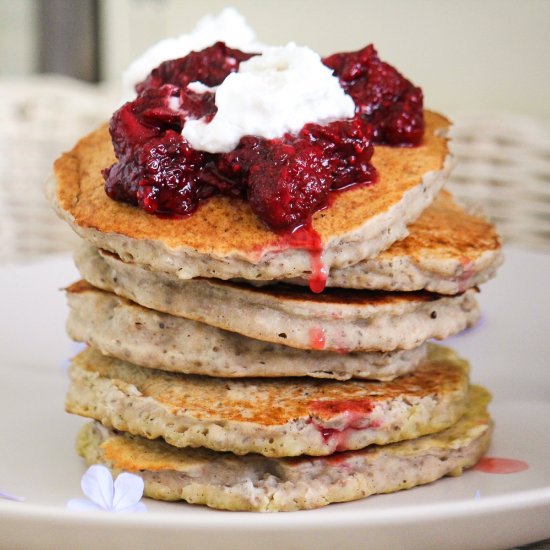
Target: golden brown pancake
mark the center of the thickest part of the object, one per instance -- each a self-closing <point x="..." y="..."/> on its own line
<point x="273" y="417"/>
<point x="447" y="231"/>
<point x="227" y="237"/>
<point x="448" y="250"/>
<point x="253" y="482"/>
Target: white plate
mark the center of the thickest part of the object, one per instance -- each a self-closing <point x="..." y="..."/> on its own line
<point x="509" y="354"/>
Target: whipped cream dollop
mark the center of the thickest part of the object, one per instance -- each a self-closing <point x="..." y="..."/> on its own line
<point x="228" y="26"/>
<point x="271" y="94"/>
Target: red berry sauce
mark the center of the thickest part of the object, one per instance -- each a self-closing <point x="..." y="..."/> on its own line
<point x="382" y="96"/>
<point x="209" y="66"/>
<point x="285" y="180"/>
<point x="492" y="465"/>
<point x="316" y="334"/>
<point x="356" y="412"/>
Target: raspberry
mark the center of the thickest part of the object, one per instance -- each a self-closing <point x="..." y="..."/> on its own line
<point x="347" y="150"/>
<point x="383" y="97"/>
<point x="286" y="180"/>
<point x="209" y="66"/>
<point x="288" y="184"/>
<point x="161" y="177"/>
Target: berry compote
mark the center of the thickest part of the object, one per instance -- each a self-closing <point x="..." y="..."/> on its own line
<point x="287" y="179"/>
<point x="382" y="96"/>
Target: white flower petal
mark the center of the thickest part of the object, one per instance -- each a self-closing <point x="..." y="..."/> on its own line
<point x="128" y="491"/>
<point x="97" y="485"/>
<point x="9" y="496"/>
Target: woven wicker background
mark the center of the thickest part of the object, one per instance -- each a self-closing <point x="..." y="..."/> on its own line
<point x="503" y="163"/>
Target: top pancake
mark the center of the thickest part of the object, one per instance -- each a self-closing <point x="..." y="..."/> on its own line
<point x="225" y="239"/>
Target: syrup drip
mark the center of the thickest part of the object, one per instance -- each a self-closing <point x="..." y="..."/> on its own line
<point x="336" y="438"/>
<point x="317" y="338"/>
<point x="318" y="278"/>
<point x="467" y="273"/>
<point x="357" y="413"/>
<point x="492" y="465"/>
<point x="306" y="238"/>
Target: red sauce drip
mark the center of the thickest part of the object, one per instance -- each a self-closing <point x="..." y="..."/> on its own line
<point x="317" y="338"/>
<point x="493" y="465"/>
<point x="318" y="278"/>
<point x="306" y="238"/>
<point x="467" y="273"/>
<point x="356" y="412"/>
<point x="331" y="436"/>
<point x="339" y="438"/>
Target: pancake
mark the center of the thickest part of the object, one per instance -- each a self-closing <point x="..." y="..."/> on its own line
<point x="341" y="320"/>
<point x="123" y="329"/>
<point x="272" y="417"/>
<point x="224" y="239"/>
<point x="447" y="251"/>
<point x="257" y="483"/>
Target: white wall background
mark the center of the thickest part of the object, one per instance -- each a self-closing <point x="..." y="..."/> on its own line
<point x="467" y="55"/>
<point x="17" y="37"/>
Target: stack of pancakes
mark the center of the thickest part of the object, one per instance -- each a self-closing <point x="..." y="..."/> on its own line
<point x="216" y="374"/>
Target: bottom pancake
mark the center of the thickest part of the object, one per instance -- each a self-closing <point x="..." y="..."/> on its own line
<point x="258" y="483"/>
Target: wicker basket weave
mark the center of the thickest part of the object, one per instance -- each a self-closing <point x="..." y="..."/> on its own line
<point x="40" y="117"/>
<point x="503" y="163"/>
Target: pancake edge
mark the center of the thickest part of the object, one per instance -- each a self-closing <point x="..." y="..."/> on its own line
<point x="254" y="483"/>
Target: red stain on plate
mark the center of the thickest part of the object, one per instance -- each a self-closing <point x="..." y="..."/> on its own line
<point x="493" y="465"/>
